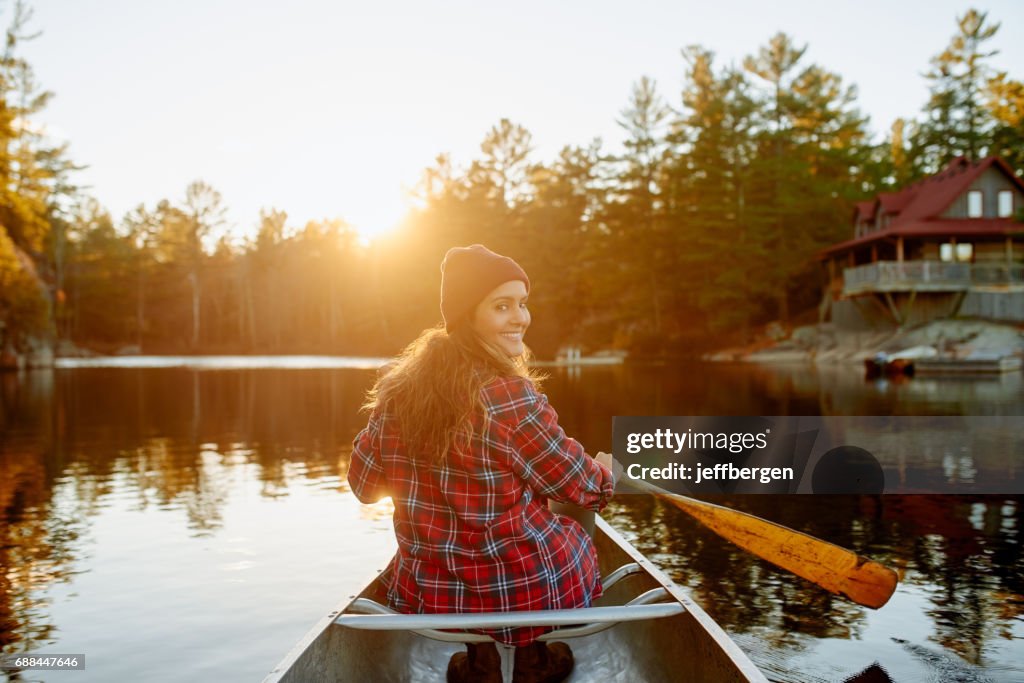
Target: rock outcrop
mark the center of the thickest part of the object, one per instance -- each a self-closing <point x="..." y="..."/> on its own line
<point x="826" y="344"/>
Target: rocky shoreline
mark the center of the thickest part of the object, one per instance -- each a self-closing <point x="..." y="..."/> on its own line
<point x="825" y="344"/>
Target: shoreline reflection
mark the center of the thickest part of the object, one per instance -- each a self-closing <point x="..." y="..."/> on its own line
<point x="191" y="451"/>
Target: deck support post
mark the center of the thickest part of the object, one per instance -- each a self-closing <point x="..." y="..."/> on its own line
<point x="892" y="309"/>
<point x="958" y="302"/>
<point x="910" y="305"/>
<point x="874" y="298"/>
<point x="825" y="306"/>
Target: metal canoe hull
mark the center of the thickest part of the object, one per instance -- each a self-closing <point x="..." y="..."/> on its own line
<point x="687" y="647"/>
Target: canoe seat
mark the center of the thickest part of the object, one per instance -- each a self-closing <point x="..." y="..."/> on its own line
<point x="368" y="614"/>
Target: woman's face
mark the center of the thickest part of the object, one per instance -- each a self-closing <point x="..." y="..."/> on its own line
<point x="501" y="318"/>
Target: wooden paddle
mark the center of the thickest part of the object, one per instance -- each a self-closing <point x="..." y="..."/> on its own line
<point x="835" y="569"/>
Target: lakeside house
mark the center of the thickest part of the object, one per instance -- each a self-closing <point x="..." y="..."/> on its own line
<point x="949" y="245"/>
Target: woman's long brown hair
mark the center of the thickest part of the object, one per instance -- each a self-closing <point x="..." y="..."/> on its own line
<point x="434" y="388"/>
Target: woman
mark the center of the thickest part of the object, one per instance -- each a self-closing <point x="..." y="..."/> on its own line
<point x="469" y="450"/>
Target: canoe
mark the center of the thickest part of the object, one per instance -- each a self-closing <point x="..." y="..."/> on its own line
<point x="644" y="628"/>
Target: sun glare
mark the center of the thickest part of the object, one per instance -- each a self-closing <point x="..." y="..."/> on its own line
<point x="380" y="222"/>
<point x="369" y="233"/>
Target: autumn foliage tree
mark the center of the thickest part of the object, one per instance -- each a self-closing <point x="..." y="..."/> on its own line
<point x="33" y="173"/>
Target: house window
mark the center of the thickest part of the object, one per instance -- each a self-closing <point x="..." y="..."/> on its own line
<point x="1005" y="203"/>
<point x="963" y="252"/>
<point x="974" y="204"/>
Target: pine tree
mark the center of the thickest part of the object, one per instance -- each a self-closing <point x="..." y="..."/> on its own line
<point x="811" y="149"/>
<point x="707" y="196"/>
<point x="101" y="263"/>
<point x="559" y="221"/>
<point x="956" y="121"/>
<point x="640" y="249"/>
<point x="506" y="149"/>
<point x="204" y="211"/>
<point x="142" y="228"/>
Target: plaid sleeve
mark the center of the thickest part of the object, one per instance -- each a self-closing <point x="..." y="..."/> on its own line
<point x="365" y="473"/>
<point x="553" y="464"/>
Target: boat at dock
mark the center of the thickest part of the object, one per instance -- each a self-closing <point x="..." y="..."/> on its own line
<point x="644" y="628"/>
<point x="896" y="364"/>
<point x="926" y="360"/>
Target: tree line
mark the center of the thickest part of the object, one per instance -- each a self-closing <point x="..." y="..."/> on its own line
<point x="704" y="227"/>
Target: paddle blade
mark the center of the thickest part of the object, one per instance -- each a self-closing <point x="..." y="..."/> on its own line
<point x="835" y="569"/>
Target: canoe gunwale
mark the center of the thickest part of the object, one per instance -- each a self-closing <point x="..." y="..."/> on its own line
<point x="716" y="637"/>
<point x="370" y="615"/>
<point x="312" y="634"/>
<point x="710" y="626"/>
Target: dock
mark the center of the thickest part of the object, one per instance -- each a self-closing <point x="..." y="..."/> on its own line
<point x="969" y="365"/>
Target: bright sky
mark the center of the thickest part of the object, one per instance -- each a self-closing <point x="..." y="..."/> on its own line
<point x="332" y="109"/>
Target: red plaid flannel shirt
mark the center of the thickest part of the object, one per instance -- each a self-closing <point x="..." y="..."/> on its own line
<point x="474" y="530"/>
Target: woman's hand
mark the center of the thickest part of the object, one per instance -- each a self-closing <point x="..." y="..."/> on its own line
<point x="608" y="461"/>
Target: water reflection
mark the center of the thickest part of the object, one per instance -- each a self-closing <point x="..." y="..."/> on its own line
<point x="963" y="552"/>
<point x="39" y="544"/>
<point x="75" y="444"/>
<point x="166" y="439"/>
<point x="843" y="390"/>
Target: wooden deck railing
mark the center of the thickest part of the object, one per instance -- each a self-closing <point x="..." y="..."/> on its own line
<point x="929" y="276"/>
<point x="997" y="273"/>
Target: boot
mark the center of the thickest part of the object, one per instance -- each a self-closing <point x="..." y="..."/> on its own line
<point x="542" y="663"/>
<point x="480" y="664"/>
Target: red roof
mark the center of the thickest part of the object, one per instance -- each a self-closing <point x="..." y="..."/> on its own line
<point x="894" y="202"/>
<point x="917" y="209"/>
<point x="931" y="196"/>
<point x="864" y="211"/>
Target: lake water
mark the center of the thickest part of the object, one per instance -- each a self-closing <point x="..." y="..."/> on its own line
<point x="192" y="521"/>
